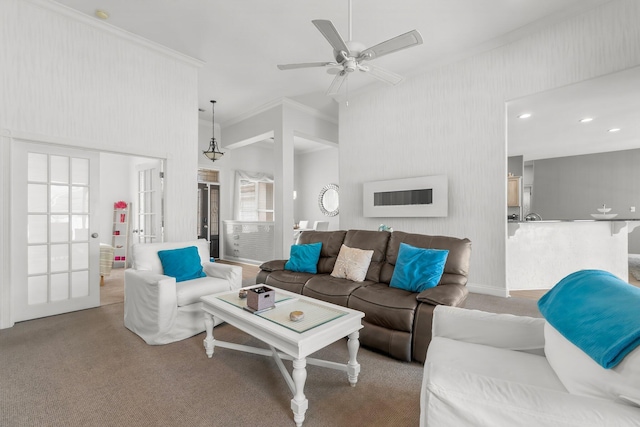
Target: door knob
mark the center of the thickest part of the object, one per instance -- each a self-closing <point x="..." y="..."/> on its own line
<point x="94" y="235"/>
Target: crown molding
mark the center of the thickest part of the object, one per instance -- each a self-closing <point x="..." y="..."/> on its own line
<point x="115" y="31"/>
<point x="280" y="102"/>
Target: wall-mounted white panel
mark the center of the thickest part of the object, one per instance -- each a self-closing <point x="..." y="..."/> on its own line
<point x="423" y="196"/>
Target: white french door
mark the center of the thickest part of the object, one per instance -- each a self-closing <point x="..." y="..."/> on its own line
<point x="150" y="202"/>
<point x="55" y="249"/>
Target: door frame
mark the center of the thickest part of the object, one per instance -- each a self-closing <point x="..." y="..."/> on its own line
<point x="6" y="138"/>
<point x="20" y="147"/>
<point x="6" y="320"/>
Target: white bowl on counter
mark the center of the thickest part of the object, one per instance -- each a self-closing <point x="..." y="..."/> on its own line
<point x="604" y="216"/>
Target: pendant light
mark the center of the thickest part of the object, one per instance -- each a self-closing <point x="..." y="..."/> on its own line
<point x="213" y="153"/>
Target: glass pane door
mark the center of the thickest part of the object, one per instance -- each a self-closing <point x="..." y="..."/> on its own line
<point x="52" y="226"/>
<point x="150" y="203"/>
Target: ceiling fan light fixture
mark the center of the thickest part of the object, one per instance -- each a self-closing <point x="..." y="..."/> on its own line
<point x="350" y="65"/>
<point x="213" y="153"/>
<point x="350" y="54"/>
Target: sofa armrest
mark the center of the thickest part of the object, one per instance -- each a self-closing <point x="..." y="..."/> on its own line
<point x="275" y="265"/>
<point x="231" y="273"/>
<point x="497" y="330"/>
<point x="150" y="304"/>
<point x="453" y="295"/>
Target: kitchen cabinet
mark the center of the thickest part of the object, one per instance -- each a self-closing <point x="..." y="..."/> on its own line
<point x="249" y="241"/>
<point x="513" y="191"/>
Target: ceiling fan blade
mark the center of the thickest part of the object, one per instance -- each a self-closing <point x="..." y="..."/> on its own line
<point x="382" y="74"/>
<point x="336" y="84"/>
<point x="403" y="41"/>
<point x="306" y="65"/>
<point x="332" y="35"/>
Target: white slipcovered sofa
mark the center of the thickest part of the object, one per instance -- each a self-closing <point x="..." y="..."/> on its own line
<point x="493" y="370"/>
<point x="162" y="311"/>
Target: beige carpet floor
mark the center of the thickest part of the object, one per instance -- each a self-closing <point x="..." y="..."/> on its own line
<point x="86" y="369"/>
<point x="113" y="290"/>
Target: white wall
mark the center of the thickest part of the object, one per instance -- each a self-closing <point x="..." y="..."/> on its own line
<point x="452" y="121"/>
<point x="314" y="170"/>
<point x="70" y="79"/>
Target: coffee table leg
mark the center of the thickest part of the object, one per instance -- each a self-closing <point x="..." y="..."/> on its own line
<point x="299" y="403"/>
<point x="208" y="341"/>
<point x="353" y="367"/>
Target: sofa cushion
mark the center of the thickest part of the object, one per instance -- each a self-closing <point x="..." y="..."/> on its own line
<point x="190" y="291"/>
<point x="456" y="269"/>
<point x="182" y="263"/>
<point x="454" y="397"/>
<point x="331" y="243"/>
<point x="352" y="264"/>
<point x="304" y="258"/>
<point x="418" y="269"/>
<point x="494" y="362"/>
<point x="388" y="307"/>
<point x="370" y="240"/>
<point x="331" y="289"/>
<point x="583" y="376"/>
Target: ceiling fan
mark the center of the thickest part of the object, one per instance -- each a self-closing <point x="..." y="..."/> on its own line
<point x="351" y="55"/>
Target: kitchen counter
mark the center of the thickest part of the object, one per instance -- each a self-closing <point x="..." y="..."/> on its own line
<point x="541" y="253"/>
<point x="575" y="220"/>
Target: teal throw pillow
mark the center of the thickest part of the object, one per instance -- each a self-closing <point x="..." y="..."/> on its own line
<point x="304" y="258"/>
<point x="418" y="269"/>
<point x="183" y="264"/>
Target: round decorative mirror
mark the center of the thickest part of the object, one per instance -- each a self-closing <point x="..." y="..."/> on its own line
<point x="329" y="200"/>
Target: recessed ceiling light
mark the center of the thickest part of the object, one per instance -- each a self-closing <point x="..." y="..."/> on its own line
<point x="586" y="120"/>
<point x="102" y="14"/>
<point x="614" y="130"/>
<point x="524" y="116"/>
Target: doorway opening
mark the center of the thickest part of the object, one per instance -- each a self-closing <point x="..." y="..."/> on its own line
<point x="209" y="209"/>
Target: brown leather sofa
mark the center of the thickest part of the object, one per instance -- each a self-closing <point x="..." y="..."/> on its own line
<point x="396" y="322"/>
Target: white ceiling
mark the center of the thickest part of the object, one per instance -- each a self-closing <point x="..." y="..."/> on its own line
<point x="242" y="41"/>
<point x="554" y="128"/>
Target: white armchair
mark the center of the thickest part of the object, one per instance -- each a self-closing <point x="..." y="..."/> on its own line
<point x="162" y="311"/>
<point x="486" y="369"/>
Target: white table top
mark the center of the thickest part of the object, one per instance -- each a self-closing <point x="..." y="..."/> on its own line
<point x="294" y="343"/>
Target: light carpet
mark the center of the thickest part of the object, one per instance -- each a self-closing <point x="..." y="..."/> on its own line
<point x="86" y="369"/>
<point x="634" y="265"/>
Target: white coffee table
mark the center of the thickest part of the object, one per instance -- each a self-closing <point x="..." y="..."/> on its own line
<point x="323" y="324"/>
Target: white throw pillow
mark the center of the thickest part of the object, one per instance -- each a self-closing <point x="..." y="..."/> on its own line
<point x="581" y="375"/>
<point x="352" y="264"/>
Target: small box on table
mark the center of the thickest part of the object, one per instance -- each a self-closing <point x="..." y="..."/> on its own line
<point x="260" y="298"/>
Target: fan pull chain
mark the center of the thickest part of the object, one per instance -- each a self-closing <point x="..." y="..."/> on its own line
<point x="347" y="92"/>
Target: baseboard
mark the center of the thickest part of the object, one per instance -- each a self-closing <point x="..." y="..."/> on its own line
<point x="487" y="290"/>
<point x="242" y="260"/>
